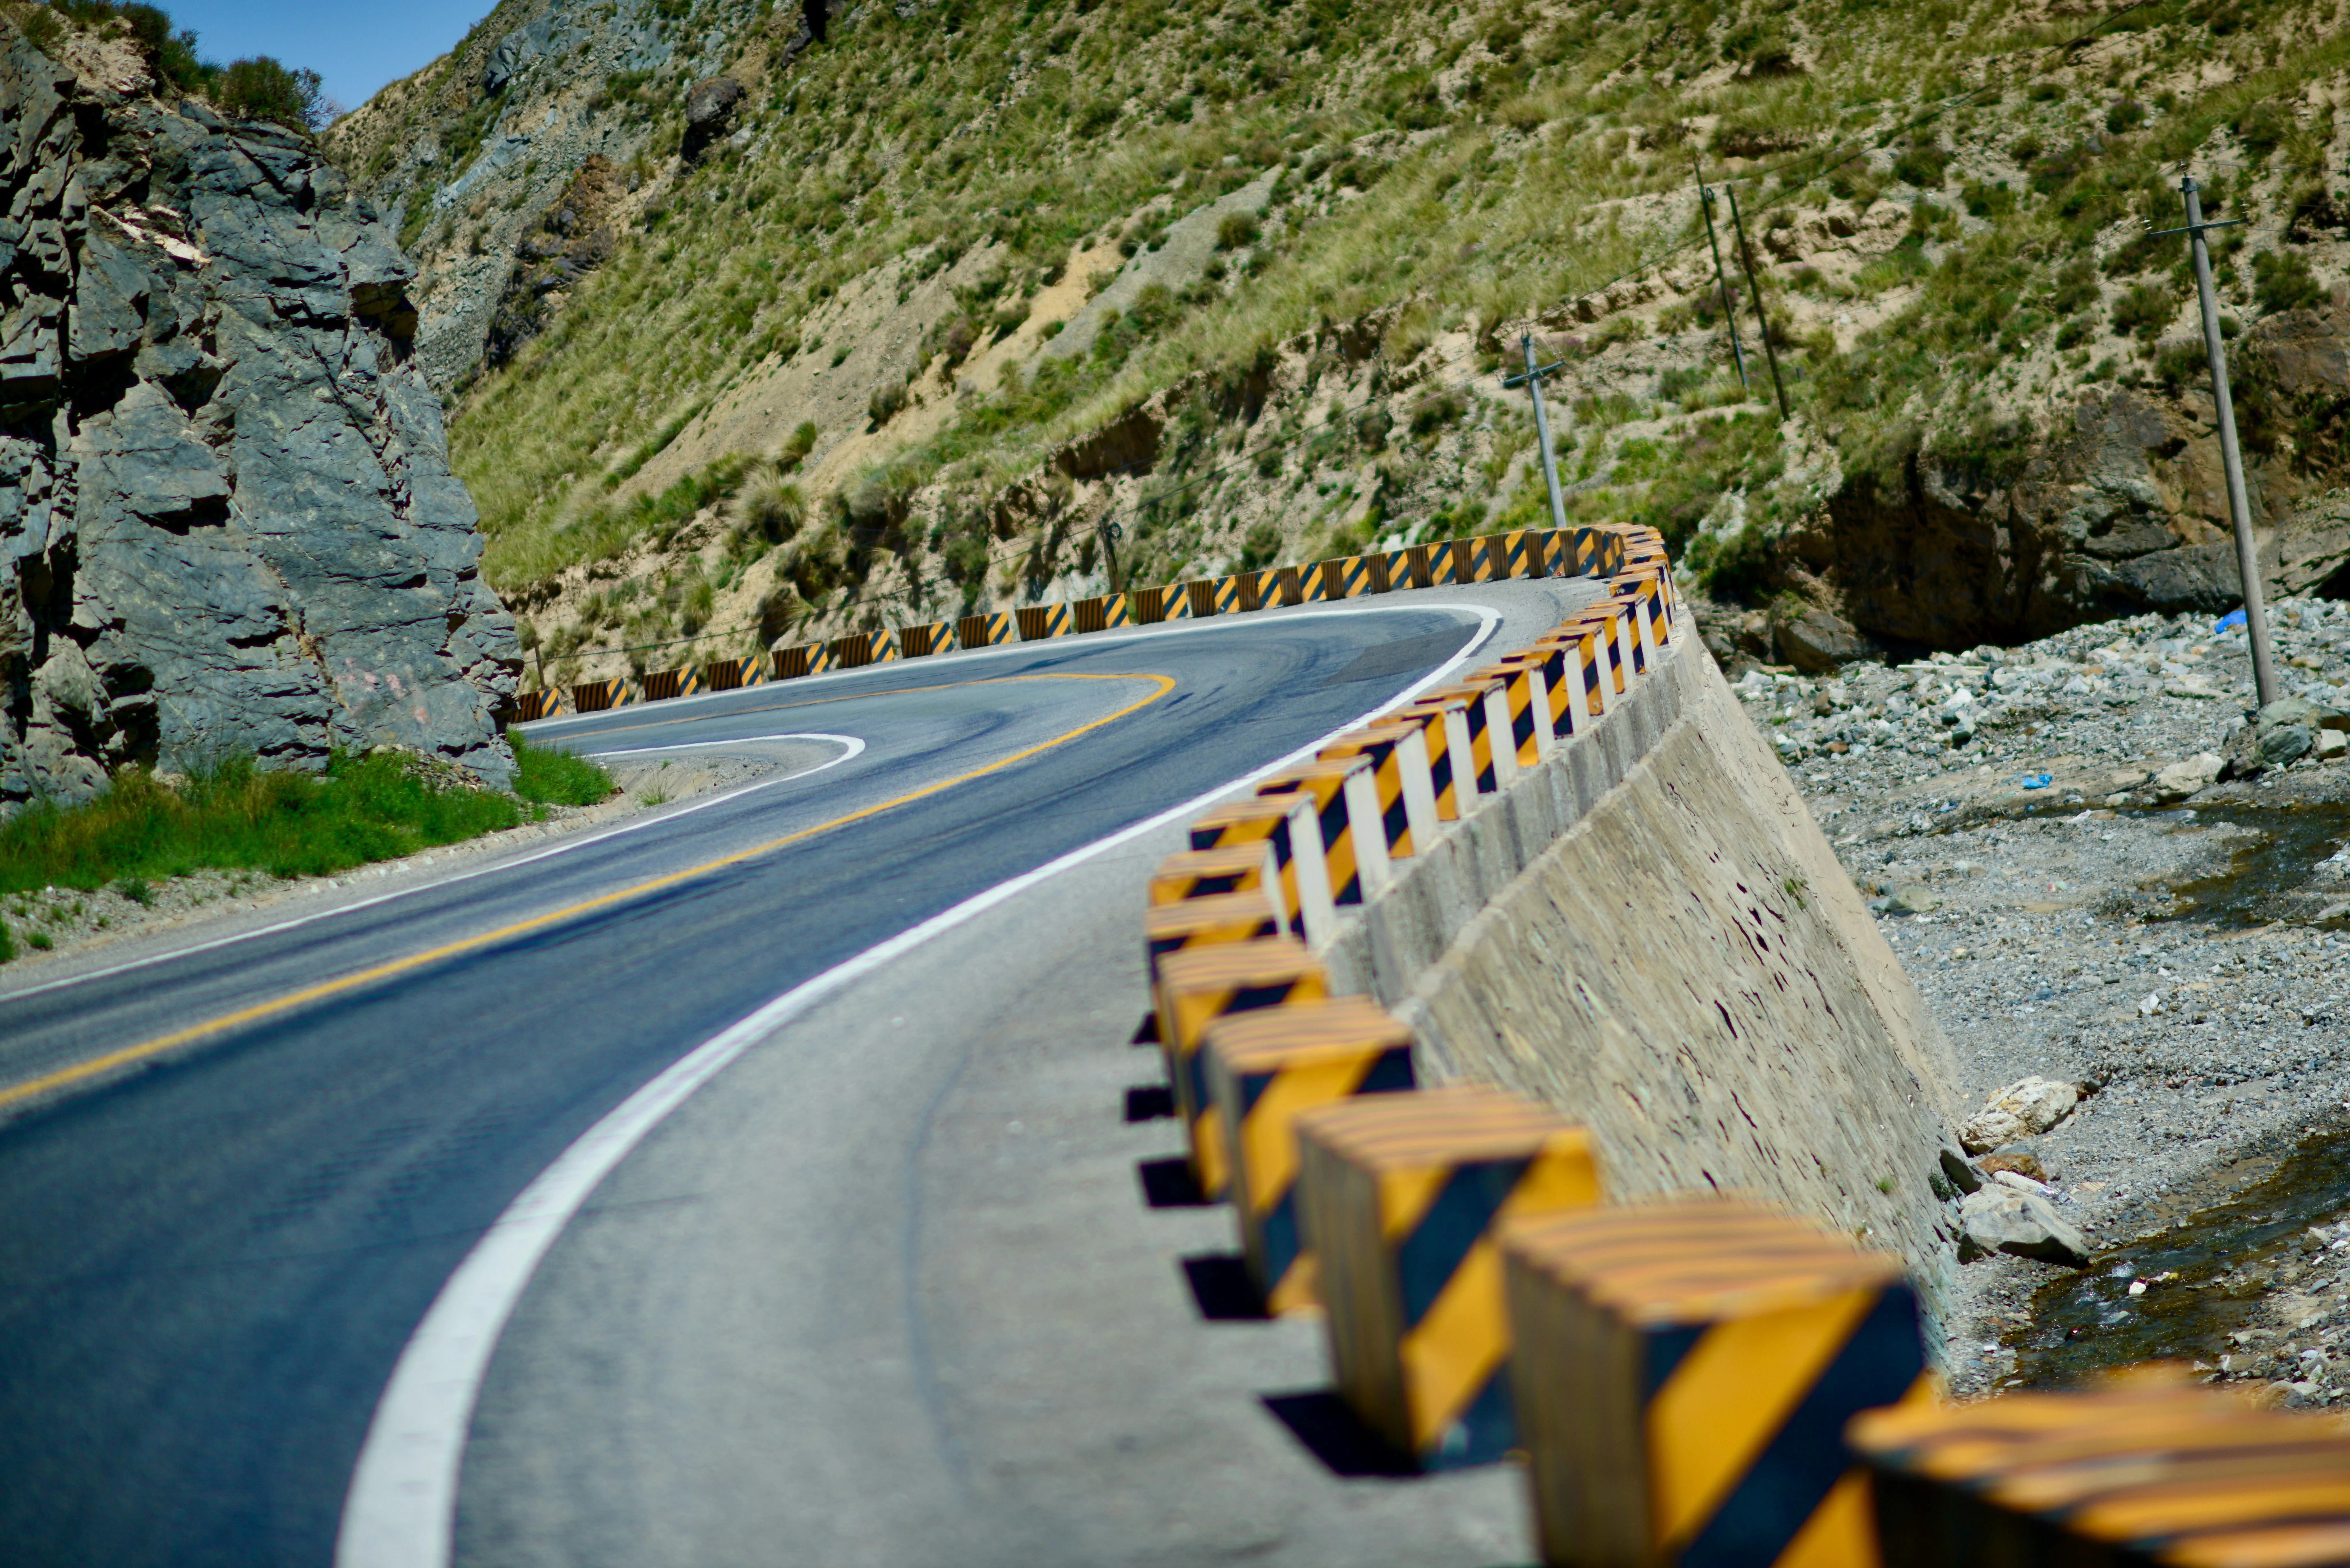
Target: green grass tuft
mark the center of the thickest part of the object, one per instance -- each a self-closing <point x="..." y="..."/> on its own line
<point x="237" y="815"/>
<point x="551" y="777"/>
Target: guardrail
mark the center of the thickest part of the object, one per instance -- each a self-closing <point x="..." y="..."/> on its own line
<point x="1529" y="553"/>
<point x="1689" y="1379"/>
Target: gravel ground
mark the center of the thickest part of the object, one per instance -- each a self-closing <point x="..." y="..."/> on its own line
<point x="55" y="921"/>
<point x="2187" y="960"/>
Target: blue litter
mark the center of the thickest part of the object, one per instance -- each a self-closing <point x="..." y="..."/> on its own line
<point x="2229" y="621"/>
<point x="2036" y="780"/>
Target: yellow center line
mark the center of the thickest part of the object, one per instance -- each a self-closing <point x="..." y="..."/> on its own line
<point x="843" y="697"/>
<point x="63" y="1076"/>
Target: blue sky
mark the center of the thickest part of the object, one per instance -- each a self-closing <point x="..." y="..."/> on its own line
<point x="356" y="47"/>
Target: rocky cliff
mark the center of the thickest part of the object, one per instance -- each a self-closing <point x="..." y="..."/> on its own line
<point x="227" y="521"/>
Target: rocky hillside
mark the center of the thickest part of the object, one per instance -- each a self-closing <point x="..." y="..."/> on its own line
<point x="227" y="522"/>
<point x="766" y="320"/>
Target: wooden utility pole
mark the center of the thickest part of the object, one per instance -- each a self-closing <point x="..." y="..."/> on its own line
<point x="1531" y="380"/>
<point x="1746" y="253"/>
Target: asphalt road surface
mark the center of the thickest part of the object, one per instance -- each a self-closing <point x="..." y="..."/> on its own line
<point x="828" y="1237"/>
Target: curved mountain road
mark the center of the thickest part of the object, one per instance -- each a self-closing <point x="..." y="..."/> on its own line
<point x="887" y="1291"/>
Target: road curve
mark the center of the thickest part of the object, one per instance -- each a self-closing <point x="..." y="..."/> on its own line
<point x="769" y="1338"/>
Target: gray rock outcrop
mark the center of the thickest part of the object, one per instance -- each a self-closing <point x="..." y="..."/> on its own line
<point x="227" y="521"/>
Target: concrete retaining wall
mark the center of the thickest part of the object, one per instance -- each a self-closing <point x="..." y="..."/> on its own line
<point x="1650" y="932"/>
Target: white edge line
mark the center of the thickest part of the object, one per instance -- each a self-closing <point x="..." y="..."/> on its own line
<point x="1092" y="640"/>
<point x="733" y="741"/>
<point x="402" y="1509"/>
<point x="564" y="848"/>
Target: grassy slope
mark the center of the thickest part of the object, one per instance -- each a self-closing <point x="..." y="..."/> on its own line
<point x="1458" y="173"/>
<point x="238" y="817"/>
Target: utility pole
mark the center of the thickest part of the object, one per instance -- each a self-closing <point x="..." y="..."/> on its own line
<point x="2239" y="508"/>
<point x="1531" y="380"/>
<point x="1110" y="534"/>
<point x="1746" y="253"/>
<point x="1721" y="282"/>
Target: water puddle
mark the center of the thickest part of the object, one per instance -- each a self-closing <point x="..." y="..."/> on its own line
<point x="2273" y="873"/>
<point x="2206" y="1269"/>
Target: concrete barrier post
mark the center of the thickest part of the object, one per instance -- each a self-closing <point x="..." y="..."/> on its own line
<point x="1403" y="1197"/>
<point x="1528" y="700"/>
<point x="1399" y="751"/>
<point x="1493" y="762"/>
<point x="1354" y="843"/>
<point x="1444" y="734"/>
<point x="1587" y="672"/>
<point x="1204" y="922"/>
<point x="1236" y="867"/>
<point x="1291" y="824"/>
<point x="1263" y="1069"/>
<point x="1198" y="985"/>
<point x="984" y="630"/>
<point x="1039" y="622"/>
<point x="1683" y="1373"/>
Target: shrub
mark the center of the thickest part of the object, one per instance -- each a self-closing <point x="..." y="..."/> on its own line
<point x="1261" y="547"/>
<point x="1236" y="231"/>
<point x="2283" y="281"/>
<point x="2125" y="117"/>
<point x="261" y="88"/>
<point x="2143" y="311"/>
<point x="552" y="777"/>
<point x="1921" y="165"/>
<point x="887" y="400"/>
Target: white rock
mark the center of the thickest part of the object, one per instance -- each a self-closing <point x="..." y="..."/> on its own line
<point x="2180" y="780"/>
<point x="2001" y="1218"/>
<point x="2149" y="1004"/>
<point x="2024" y="1108"/>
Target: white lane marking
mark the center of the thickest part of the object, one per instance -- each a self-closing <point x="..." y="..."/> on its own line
<point x="733" y="741"/>
<point x="402" y="1509"/>
<point x="565" y="847"/>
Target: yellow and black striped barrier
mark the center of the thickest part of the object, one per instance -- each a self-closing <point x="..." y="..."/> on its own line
<point x="1237" y="868"/>
<point x="2153" y="1468"/>
<point x="1198" y="985"/>
<point x="1397" y="752"/>
<point x="1586" y="677"/>
<point x="1491" y="767"/>
<point x="733" y="674"/>
<point x="1353" y="576"/>
<point x="1105" y="613"/>
<point x="924" y="639"/>
<point x="1684" y="1371"/>
<point x="531" y="706"/>
<point x="1315" y="585"/>
<point x="1605" y="622"/>
<point x="1263" y="1069"/>
<point x="1447" y="562"/>
<point x="1292" y="825"/>
<point x="1484" y="558"/>
<point x="1404" y="1197"/>
<point x="1345" y="804"/>
<point x="596" y="696"/>
<point x="1526" y="697"/>
<point x="1152" y="606"/>
<point x="1404" y="569"/>
<point x="985" y="630"/>
<point x="796" y="660"/>
<point x="663" y="685"/>
<point x="1204" y="922"/>
<point x="857" y="649"/>
<point x="1443" y="724"/>
<point x="1548" y="658"/>
<point x="1039" y="622"/>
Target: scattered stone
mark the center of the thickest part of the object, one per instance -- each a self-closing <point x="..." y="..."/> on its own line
<point x="1818" y="640"/>
<point x="2026" y="1108"/>
<point x="2180" y="780"/>
<point x="2016" y="1161"/>
<point x="1961" y="1173"/>
<point x="1912" y="900"/>
<point x="2002" y="1218"/>
<point x="709" y="114"/>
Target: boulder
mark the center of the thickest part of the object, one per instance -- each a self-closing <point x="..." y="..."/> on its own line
<point x="2183" y="779"/>
<point x="1817" y="642"/>
<point x="2003" y="1217"/>
<point x="2026" y="1108"/>
<point x="225" y="505"/>
<point x="709" y="113"/>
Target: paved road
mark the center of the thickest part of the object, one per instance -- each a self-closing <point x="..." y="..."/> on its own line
<point x="885" y="1290"/>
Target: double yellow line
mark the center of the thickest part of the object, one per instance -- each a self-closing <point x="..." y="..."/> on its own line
<point x="63" y="1077"/>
